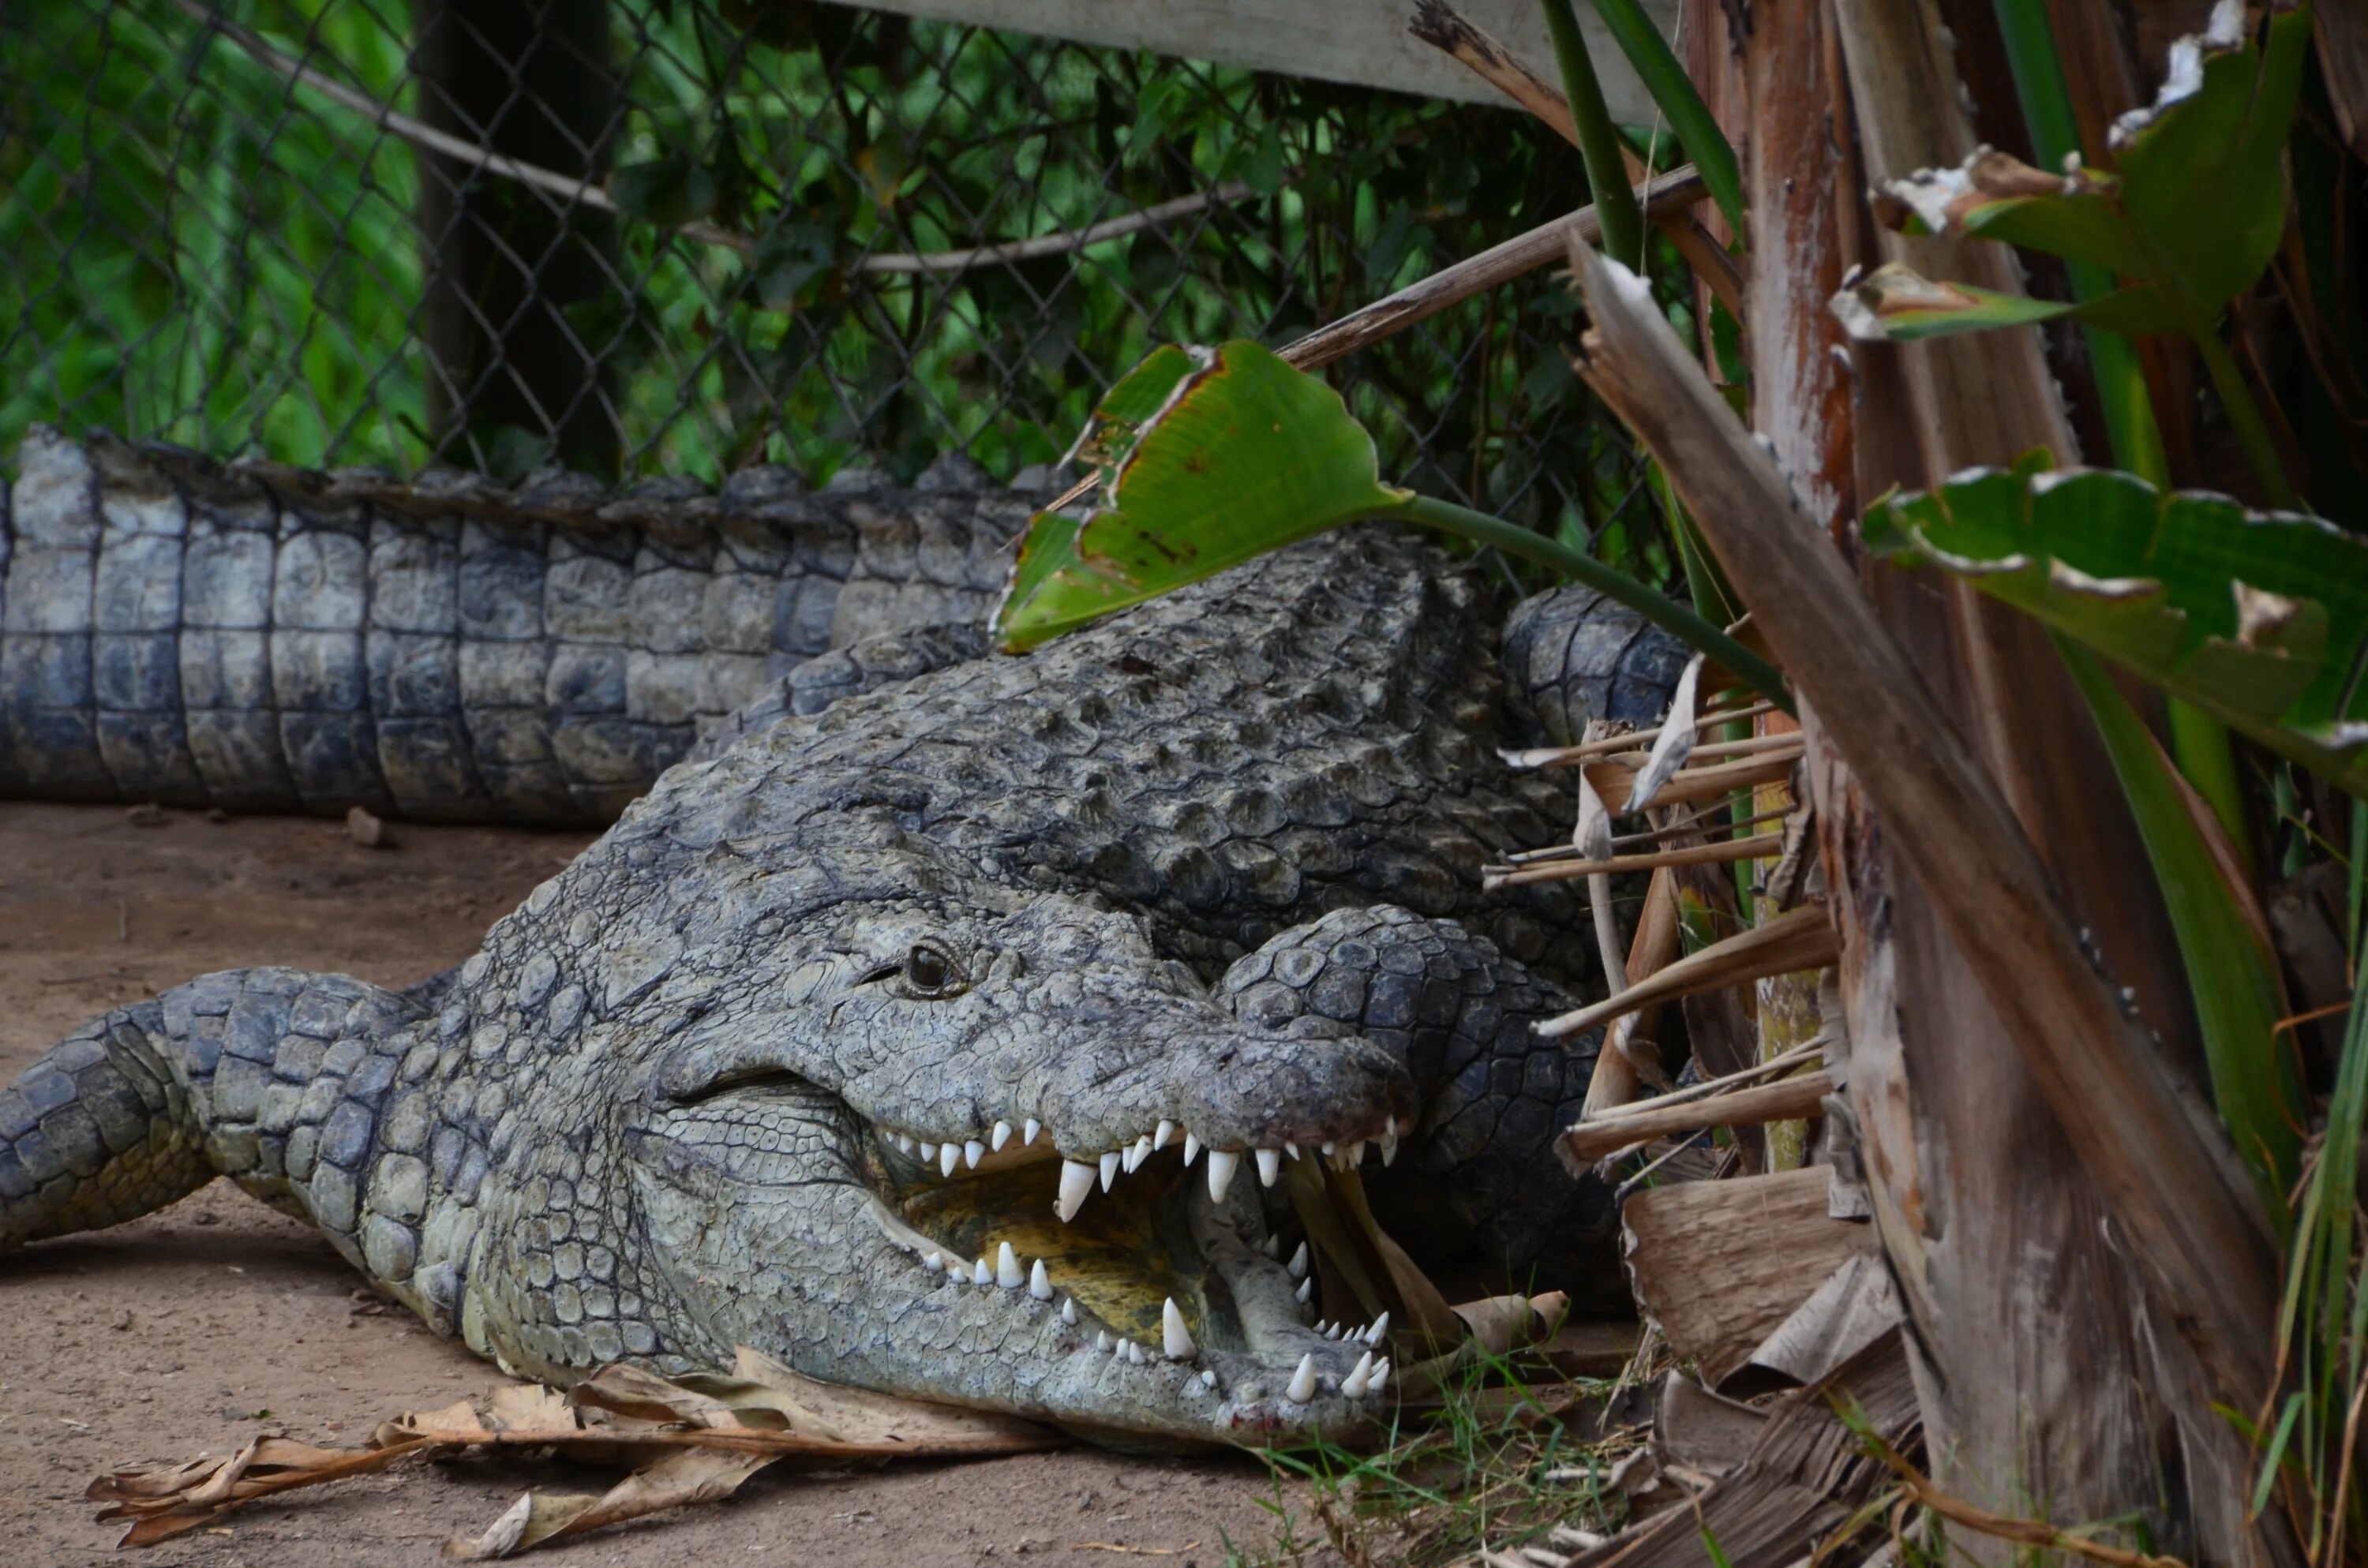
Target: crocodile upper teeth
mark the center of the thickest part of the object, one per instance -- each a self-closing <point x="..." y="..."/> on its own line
<point x="1381" y="1326"/>
<point x="1076" y="1184"/>
<point x="949" y="1156"/>
<point x="972" y="1152"/>
<point x="1191" y="1148"/>
<point x="1029" y="1129"/>
<point x="999" y="1137"/>
<point x="1302" y="1381"/>
<point x="1269" y="1164"/>
<point x="1162" y="1133"/>
<point x="1109" y="1168"/>
<point x="1222" y="1164"/>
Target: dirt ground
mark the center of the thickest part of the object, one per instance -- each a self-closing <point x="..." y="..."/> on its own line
<point x="193" y="1330"/>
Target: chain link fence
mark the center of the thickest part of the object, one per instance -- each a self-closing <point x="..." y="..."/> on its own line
<point x="634" y="236"/>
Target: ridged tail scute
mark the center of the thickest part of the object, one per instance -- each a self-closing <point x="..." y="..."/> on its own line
<point x="262" y="638"/>
<point x="273" y="1077"/>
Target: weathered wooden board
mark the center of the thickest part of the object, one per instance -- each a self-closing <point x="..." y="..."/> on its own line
<point x="1363" y="42"/>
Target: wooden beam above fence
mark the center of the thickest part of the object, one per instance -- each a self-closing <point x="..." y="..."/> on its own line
<point x="1360" y="41"/>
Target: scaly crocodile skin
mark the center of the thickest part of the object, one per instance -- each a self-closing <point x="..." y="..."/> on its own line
<point x="666" y="1108"/>
<point x="264" y="639"/>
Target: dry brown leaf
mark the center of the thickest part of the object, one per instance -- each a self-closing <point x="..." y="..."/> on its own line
<point x="688" y="1441"/>
<point x="678" y="1479"/>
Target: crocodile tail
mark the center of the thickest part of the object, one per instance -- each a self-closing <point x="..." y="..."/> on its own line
<point x="270" y="1076"/>
<point x="96" y="1132"/>
<point x="264" y="639"/>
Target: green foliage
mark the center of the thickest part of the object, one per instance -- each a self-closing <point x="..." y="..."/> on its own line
<point x="1673" y="92"/>
<point x="2256" y="619"/>
<point x="2232" y="969"/>
<point x="2323" y="1326"/>
<point x="2214" y="144"/>
<point x="199" y="250"/>
<point x="1209" y="458"/>
<point x="1620" y="221"/>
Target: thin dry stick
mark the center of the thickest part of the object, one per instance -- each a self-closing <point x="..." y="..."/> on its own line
<point x="2037" y="1533"/>
<point x="592" y="193"/>
<point x="1633" y="740"/>
<point x="1452" y="285"/>
<point x="1691" y="826"/>
<point x="1760" y="848"/>
<point x="1796" y="939"/>
<point x="1770" y="1102"/>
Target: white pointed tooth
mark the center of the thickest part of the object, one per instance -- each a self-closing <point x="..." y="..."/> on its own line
<point x="1298" y="1264"/>
<point x="1323" y="1324"/>
<point x="1001" y="1135"/>
<point x="1162" y="1133"/>
<point x="1222" y="1163"/>
<point x="1328" y="1148"/>
<point x="1380" y="1375"/>
<point x="1273" y="1245"/>
<point x="1039" y="1283"/>
<point x="1390" y="1152"/>
<point x="1102" y="1340"/>
<point x="1029" y="1129"/>
<point x="1134" y="1354"/>
<point x="1333" y="1332"/>
<point x="1380" y="1327"/>
<point x="1302" y="1381"/>
<point x="973" y="1152"/>
<point x="1008" y="1272"/>
<point x="1142" y="1147"/>
<point x="1209" y="1379"/>
<point x="949" y="1156"/>
<point x="1110" y="1162"/>
<point x="1291" y="1148"/>
<point x="1353" y="1385"/>
<point x="928" y="1151"/>
<point x="1076" y="1183"/>
<point x="1118" y="1350"/>
<point x="901" y="1142"/>
<point x="1191" y="1148"/>
<point x="1306" y="1289"/>
<point x="980" y="1274"/>
<point x="1068" y="1307"/>
<point x="1356" y="1153"/>
<point x="1390" y="1127"/>
<point x="1269" y="1164"/>
<point x="933" y="1261"/>
<point x="1174" y="1338"/>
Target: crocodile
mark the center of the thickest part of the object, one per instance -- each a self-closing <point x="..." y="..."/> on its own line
<point x="979" y="1037"/>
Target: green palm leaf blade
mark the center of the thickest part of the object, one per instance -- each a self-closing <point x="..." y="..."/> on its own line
<point x="2259" y="619"/>
<point x="1237" y="453"/>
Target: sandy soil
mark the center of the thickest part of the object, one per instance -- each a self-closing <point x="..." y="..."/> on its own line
<point x="199" y="1327"/>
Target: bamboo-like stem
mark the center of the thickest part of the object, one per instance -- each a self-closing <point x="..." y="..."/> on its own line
<point x="1661" y="610"/>
<point x="1598" y="139"/>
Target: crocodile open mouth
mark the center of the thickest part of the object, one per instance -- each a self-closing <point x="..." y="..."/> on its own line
<point x="1156" y="1252"/>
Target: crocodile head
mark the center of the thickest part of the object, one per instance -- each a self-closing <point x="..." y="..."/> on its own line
<point x="906" y="1125"/>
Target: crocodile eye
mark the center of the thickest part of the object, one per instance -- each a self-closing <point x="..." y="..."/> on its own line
<point x="931" y="973"/>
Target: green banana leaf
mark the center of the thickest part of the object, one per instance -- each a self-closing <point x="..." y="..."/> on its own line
<point x="1207" y="459"/>
<point x="2258" y="618"/>
<point x="2190" y="214"/>
<point x="1897" y="302"/>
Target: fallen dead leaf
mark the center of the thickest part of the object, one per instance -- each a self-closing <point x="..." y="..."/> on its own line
<point x="685" y="1441"/>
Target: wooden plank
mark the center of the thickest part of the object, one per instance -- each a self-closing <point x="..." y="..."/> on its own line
<point x="1720" y="1265"/>
<point x="1361" y="42"/>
